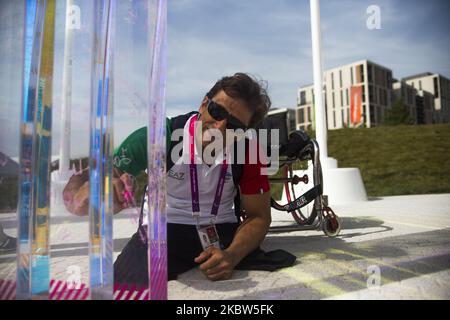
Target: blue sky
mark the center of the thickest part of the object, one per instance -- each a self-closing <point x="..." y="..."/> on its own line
<point x="209" y="39"/>
<point x="272" y="39"/>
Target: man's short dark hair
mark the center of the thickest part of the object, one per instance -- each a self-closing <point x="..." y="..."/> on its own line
<point x="244" y="87"/>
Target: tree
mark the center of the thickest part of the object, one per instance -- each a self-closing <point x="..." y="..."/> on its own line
<point x="398" y="114"/>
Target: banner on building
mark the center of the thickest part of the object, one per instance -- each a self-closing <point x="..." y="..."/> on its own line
<point x="355" y="105"/>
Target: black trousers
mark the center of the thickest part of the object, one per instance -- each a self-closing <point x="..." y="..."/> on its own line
<point x="183" y="246"/>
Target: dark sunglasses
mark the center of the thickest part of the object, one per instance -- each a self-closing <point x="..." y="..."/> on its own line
<point x="219" y="113"/>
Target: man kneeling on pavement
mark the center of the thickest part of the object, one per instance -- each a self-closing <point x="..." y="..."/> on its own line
<point x="204" y="197"/>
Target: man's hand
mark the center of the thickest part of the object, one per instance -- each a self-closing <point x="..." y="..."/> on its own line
<point x="216" y="264"/>
<point x="78" y="203"/>
<point x="76" y="194"/>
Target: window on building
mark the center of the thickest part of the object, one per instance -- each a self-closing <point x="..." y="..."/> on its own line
<point x="302" y="97"/>
<point x="369" y="73"/>
<point x="351" y="75"/>
<point x="332" y="81"/>
<point x="363" y="93"/>
<point x="364" y="113"/>
<point x="301" y="115"/>
<point x="340" y="78"/>
<point x="361" y="68"/>
<point x="420" y="85"/>
<point x="342" y="117"/>
<point x="342" y="99"/>
<point x="372" y="97"/>
<point x="348" y="115"/>
<point x="372" y="114"/>
<point x="334" y="119"/>
<point x="291" y="120"/>
<point x="346" y="93"/>
<point x="436" y="87"/>
<point x="332" y="94"/>
<point x="309" y="114"/>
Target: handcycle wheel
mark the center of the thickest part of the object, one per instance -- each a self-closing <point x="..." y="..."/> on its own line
<point x="331" y="224"/>
<point x="305" y="215"/>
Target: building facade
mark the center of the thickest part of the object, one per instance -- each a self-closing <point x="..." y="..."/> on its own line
<point x="420" y="103"/>
<point x="374" y="82"/>
<point x="425" y="107"/>
<point x="304" y="113"/>
<point x="439" y="87"/>
<point x="405" y="92"/>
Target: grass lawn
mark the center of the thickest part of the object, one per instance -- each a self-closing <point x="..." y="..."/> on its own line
<point x="395" y="160"/>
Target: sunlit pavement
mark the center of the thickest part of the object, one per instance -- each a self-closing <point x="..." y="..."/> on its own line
<point x="389" y="248"/>
<point x="405" y="240"/>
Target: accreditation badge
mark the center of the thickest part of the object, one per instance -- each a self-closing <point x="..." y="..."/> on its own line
<point x="208" y="236"/>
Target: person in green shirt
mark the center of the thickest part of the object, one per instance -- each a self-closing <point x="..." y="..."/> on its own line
<point x="235" y="102"/>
